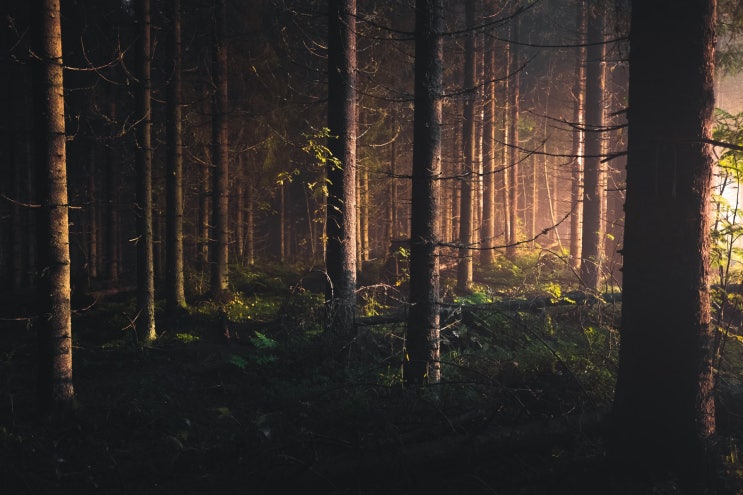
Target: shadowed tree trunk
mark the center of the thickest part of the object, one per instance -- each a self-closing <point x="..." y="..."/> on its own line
<point x="174" y="284"/>
<point x="54" y="325"/>
<point x="664" y="405"/>
<point x="145" y="325"/>
<point x="340" y="256"/>
<point x="220" y="148"/>
<point x="422" y="340"/>
<point x="487" y="255"/>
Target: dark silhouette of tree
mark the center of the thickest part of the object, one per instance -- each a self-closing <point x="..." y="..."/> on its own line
<point x="340" y="257"/>
<point x="664" y="407"/>
<point x="422" y="340"/>
<point x="54" y="324"/>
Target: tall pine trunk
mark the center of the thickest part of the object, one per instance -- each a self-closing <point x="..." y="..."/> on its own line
<point x="174" y="282"/>
<point x="594" y="187"/>
<point x="340" y="256"/>
<point x="487" y="255"/>
<point x="578" y="149"/>
<point x="422" y="340"/>
<point x="512" y="117"/>
<point x="469" y="137"/>
<point x="54" y="324"/>
<point x="220" y="150"/>
<point x="664" y="411"/>
<point x="145" y="325"/>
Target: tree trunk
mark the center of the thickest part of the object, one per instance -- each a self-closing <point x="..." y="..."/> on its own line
<point x="664" y="405"/>
<point x="514" y="81"/>
<point x="341" y="209"/>
<point x="145" y="255"/>
<point x="204" y="210"/>
<point x="240" y="217"/>
<point x="422" y="340"/>
<point x="469" y="137"/>
<point x="92" y="217"/>
<point x="594" y="188"/>
<point x="175" y="297"/>
<point x="220" y="150"/>
<point x="54" y="324"/>
<point x="112" y="194"/>
<point x="579" y="100"/>
<point x="487" y="255"/>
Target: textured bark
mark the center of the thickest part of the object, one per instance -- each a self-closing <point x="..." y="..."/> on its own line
<point x="422" y="340"/>
<point x="204" y="210"/>
<point x="664" y="407"/>
<point x="145" y="327"/>
<point x="579" y="99"/>
<point x="92" y="217"/>
<point x="340" y="256"/>
<point x="220" y="148"/>
<point x="464" y="266"/>
<point x="594" y="182"/>
<point x="54" y="325"/>
<point x="175" y="297"/>
<point x="113" y="257"/>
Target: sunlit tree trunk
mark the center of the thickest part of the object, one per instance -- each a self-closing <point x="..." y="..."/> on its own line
<point x="594" y="189"/>
<point x="578" y="149"/>
<point x="514" y="81"/>
<point x="220" y="150"/>
<point x="54" y="324"/>
<point x="487" y="255"/>
<point x="174" y="281"/>
<point x="340" y="257"/>
<point x="469" y="137"/>
<point x="422" y="340"/>
<point x="664" y="413"/>
<point x="145" y="325"/>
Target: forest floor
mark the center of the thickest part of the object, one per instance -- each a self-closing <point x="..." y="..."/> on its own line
<point x="268" y="401"/>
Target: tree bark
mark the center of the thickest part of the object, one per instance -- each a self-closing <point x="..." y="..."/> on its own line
<point x="220" y="149"/>
<point x="514" y="81"/>
<point x="579" y="99"/>
<point x="145" y="327"/>
<point x="340" y="256"/>
<point x="464" y="265"/>
<point x="664" y="406"/>
<point x="594" y="187"/>
<point x="54" y="323"/>
<point x="422" y="340"/>
<point x="487" y="255"/>
<point x="175" y="297"/>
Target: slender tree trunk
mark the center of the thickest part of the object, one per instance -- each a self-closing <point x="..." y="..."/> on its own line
<point x="92" y="217"/>
<point x="514" y="81"/>
<point x="341" y="208"/>
<point x="422" y="342"/>
<point x="145" y="327"/>
<point x="487" y="255"/>
<point x="204" y="210"/>
<point x="174" y="281"/>
<point x="579" y="99"/>
<point x="240" y="218"/>
<point x="250" y="226"/>
<point x="220" y="148"/>
<point x="469" y="137"/>
<point x="664" y="414"/>
<point x="112" y="194"/>
<point x="594" y="193"/>
<point x="54" y="324"/>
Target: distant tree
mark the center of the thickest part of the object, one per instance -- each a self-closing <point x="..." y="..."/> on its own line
<point x="340" y="257"/>
<point x="422" y="340"/>
<point x="54" y="323"/>
<point x="594" y="176"/>
<point x="145" y="327"/>
<point x="174" y="284"/>
<point x="220" y="159"/>
<point x="664" y="411"/>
